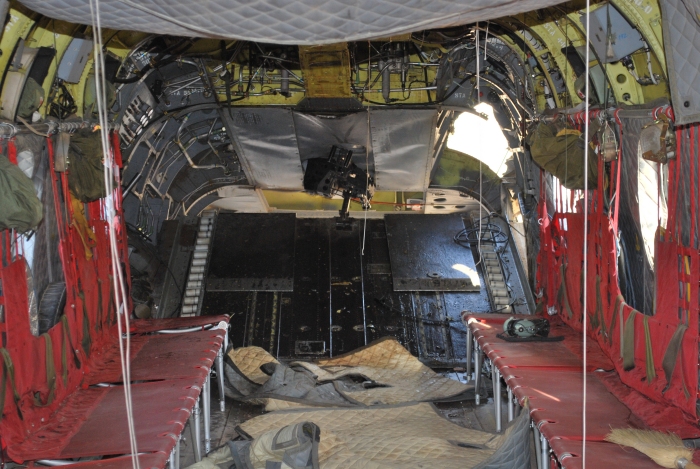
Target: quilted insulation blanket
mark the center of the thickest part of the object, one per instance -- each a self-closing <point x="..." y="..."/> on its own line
<point x="399" y="436"/>
<point x="381" y="373"/>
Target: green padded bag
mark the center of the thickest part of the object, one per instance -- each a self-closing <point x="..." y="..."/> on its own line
<point x="31" y="99"/>
<point x="561" y="153"/>
<point x="20" y="208"/>
<point x="86" y="170"/>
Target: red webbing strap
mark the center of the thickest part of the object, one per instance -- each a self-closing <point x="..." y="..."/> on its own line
<point x="117" y="152"/>
<point x="50" y="373"/>
<point x="691" y="189"/>
<point x="64" y="250"/>
<point x="12" y="151"/>
<point x="8" y="372"/>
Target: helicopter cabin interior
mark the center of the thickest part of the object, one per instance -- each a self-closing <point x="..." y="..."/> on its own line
<point x="374" y="233"/>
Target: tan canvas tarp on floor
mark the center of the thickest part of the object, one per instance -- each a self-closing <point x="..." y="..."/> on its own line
<point x="399" y="436"/>
<point x="381" y="373"/>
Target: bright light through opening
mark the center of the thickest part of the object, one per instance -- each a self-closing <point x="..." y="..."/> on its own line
<point x="469" y="272"/>
<point x="482" y="139"/>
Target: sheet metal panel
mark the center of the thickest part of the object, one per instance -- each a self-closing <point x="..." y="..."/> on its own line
<point x="402" y="141"/>
<point x="252" y="252"/>
<point x="267" y="147"/>
<point x="424" y="256"/>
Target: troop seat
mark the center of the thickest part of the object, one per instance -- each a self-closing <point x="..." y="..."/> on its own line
<point x="163" y="356"/>
<point x="550" y="376"/>
<point x="146" y="461"/>
<point x="169" y="372"/>
<point x="93" y="422"/>
<point x="556" y="403"/>
<point x="598" y="454"/>
<point x="565" y="354"/>
<point x="523" y="354"/>
<point x="146" y="326"/>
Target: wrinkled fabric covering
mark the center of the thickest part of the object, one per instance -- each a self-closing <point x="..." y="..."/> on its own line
<point x="303" y="22"/>
<point x="290" y="447"/>
<point x="248" y="361"/>
<point x="400" y="436"/>
<point x="681" y="29"/>
<point x="381" y="373"/>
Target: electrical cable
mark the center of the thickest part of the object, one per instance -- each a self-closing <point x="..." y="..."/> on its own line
<point x="585" y="231"/>
<point x="366" y="209"/>
<point x="112" y="216"/>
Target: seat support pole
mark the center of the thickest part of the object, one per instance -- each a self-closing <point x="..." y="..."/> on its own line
<point x="206" y="392"/>
<point x="220" y="379"/>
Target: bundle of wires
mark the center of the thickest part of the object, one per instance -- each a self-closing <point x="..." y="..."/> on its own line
<point x="478" y="233"/>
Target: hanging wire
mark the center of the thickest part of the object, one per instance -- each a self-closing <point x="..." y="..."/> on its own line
<point x="585" y="227"/>
<point x="486" y="39"/>
<point x="110" y="212"/>
<point x="478" y="97"/>
<point x="364" y="228"/>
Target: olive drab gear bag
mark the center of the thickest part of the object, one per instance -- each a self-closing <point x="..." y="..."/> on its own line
<point x="31" y="99"/>
<point x="561" y="153"/>
<point x="20" y="208"/>
<point x="86" y="169"/>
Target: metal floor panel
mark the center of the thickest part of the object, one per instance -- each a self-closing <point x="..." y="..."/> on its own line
<point x="252" y="252"/>
<point x="424" y="256"/>
<point x="341" y="299"/>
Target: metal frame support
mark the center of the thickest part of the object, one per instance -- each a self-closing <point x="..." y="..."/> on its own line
<point x="477" y="373"/>
<point x="497" y="398"/>
<point x="206" y="393"/>
<point x="177" y="453"/>
<point x="470" y="353"/>
<point x="174" y="461"/>
<point x="220" y="378"/>
<point x="538" y="444"/>
<point x="511" y="405"/>
<point x="195" y="427"/>
<point x="544" y="444"/>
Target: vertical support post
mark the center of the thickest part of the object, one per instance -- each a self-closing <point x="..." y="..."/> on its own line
<point x="477" y="373"/>
<point x="470" y="353"/>
<point x="177" y="453"/>
<point x="226" y="339"/>
<point x="511" y="406"/>
<point x="197" y="438"/>
<point x="493" y="382"/>
<point x="545" y="451"/>
<point x="497" y="398"/>
<point x="206" y="392"/>
<point x="171" y="460"/>
<point x="538" y="444"/>
<point x="220" y="379"/>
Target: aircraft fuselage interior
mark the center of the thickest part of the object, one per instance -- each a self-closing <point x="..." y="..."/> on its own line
<point x="373" y="234"/>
